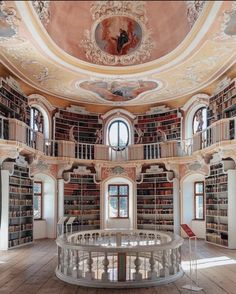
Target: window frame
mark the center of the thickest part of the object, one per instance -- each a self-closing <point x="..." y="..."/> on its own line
<point x="195" y="197"/>
<point x="118" y="148"/>
<point x="41" y="202"/>
<point x="118" y="196"/>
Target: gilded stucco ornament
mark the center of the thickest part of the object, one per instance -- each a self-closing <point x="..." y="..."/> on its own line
<point x="228" y="25"/>
<point x="132" y="43"/>
<point x="42" y="8"/>
<point x="194" y="10"/>
<point x="9" y="22"/>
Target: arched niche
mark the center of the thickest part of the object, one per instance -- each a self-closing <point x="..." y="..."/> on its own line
<point x="46" y="228"/>
<point x="187" y="203"/>
<point x="194" y="103"/>
<point x="41" y="103"/>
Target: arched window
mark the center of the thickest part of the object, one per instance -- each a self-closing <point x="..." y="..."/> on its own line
<point x="36" y="120"/>
<point x="200" y="120"/>
<point x="118" y="134"/>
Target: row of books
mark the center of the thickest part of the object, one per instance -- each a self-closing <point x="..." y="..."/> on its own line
<point x="155" y="211"/>
<point x="22" y="227"/>
<point x="20" y="241"/>
<point x="16" y="202"/>
<point x="19" y="213"/>
<point x="216" y="226"/>
<point x="215" y="212"/>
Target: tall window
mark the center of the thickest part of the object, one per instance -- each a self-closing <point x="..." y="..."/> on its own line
<point x="200" y="120"/>
<point x="118" y="135"/>
<point x="36" y="120"/>
<point x="118" y="201"/>
<point x="38" y="191"/>
<point x="199" y="200"/>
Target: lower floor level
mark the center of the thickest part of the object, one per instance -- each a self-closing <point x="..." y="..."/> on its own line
<point x="30" y="269"/>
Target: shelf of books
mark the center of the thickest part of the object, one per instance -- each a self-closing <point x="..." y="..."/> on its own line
<point x="157" y="201"/>
<point x="17" y="204"/>
<point x="85" y="126"/>
<point x="160" y="126"/>
<point x="220" y="187"/>
<point x="13" y="102"/>
<point x="222" y="104"/>
<point x="82" y="199"/>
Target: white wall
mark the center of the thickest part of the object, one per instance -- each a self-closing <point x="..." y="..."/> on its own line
<point x="106" y="222"/>
<point x="46" y="228"/>
<point x="187" y="207"/>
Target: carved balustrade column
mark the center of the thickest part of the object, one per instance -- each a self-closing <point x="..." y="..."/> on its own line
<point x="76" y="272"/>
<point x="164" y="272"/>
<point x="89" y="275"/>
<point x="67" y="269"/>
<point x="105" y="262"/>
<point x="178" y="259"/>
<point x="137" y="262"/>
<point x="173" y="258"/>
<point x="152" y="274"/>
<point x="62" y="263"/>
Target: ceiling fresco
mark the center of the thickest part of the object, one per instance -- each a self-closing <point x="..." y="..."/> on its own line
<point x="107" y="30"/>
<point x="119" y="90"/>
<point x="117" y="55"/>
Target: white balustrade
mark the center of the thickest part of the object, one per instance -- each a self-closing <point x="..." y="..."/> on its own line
<point x="219" y="132"/>
<point x="119" y="258"/>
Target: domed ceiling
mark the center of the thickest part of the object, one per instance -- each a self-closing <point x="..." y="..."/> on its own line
<point x="118" y="33"/>
<point x="118" y="52"/>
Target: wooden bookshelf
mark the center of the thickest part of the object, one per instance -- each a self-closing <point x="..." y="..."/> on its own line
<point x="168" y="122"/>
<point x="222" y="104"/>
<point x="82" y="199"/>
<point x="85" y="126"/>
<point x="17" y="217"/>
<point x="13" y="103"/>
<point x="220" y="204"/>
<point x="155" y="200"/>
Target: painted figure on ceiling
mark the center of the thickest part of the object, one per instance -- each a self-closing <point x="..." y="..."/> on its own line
<point x="122" y="39"/>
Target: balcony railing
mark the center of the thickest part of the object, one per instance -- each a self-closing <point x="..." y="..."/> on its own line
<point x="15" y="130"/>
<point x="119" y="258"/>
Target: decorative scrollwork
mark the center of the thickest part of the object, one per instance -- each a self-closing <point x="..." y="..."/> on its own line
<point x="104" y="10"/>
<point x="42" y="9"/>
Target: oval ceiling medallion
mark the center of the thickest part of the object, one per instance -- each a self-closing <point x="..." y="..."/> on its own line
<point x="118" y="35"/>
<point x="119" y="90"/>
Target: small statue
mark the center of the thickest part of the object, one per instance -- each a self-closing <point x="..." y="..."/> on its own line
<point x="71" y="134"/>
<point x="98" y="135"/>
<point x="23" y="113"/>
<point x="199" y="119"/>
<point x="39" y="122"/>
<point x="162" y="134"/>
<point x="140" y="133"/>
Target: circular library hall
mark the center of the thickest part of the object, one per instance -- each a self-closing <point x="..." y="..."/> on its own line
<point x="117" y="147"/>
